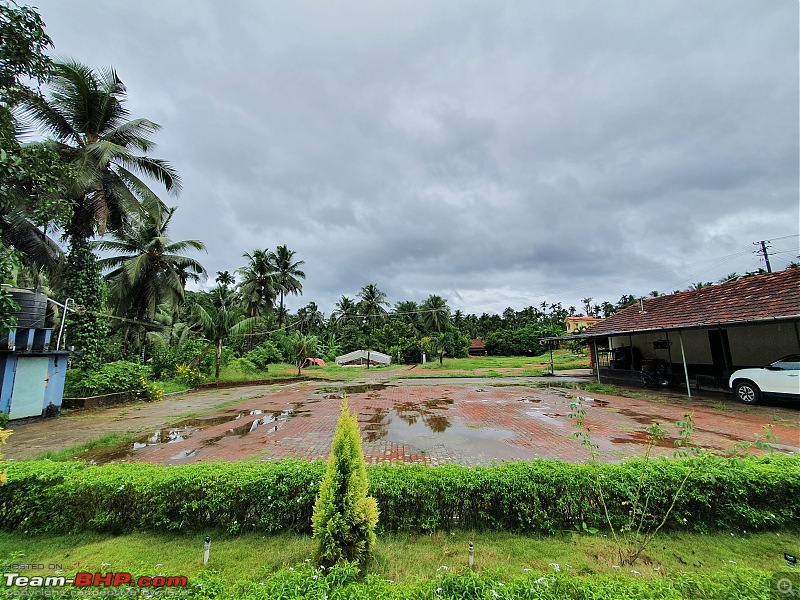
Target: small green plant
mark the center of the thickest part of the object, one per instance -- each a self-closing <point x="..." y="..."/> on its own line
<point x="345" y="518"/>
<point x="634" y="534"/>
<point x="189" y="375"/>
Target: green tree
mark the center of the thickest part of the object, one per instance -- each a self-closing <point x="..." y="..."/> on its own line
<point x="287" y="275"/>
<point x="303" y="346"/>
<point x="310" y="317"/>
<point x="149" y="270"/>
<point x="90" y="130"/>
<point x="372" y="307"/>
<point x="345" y="517"/>
<point x="345" y="311"/>
<point x="219" y="319"/>
<point x="435" y="314"/>
<point x="407" y="311"/>
<point x="32" y="177"/>
<point x="9" y="261"/>
<point x="257" y="287"/>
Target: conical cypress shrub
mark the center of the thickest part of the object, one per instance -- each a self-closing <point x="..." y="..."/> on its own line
<point x="344" y="517"/>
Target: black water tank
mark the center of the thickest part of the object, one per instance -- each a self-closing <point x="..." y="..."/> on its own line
<point x="32" y="308"/>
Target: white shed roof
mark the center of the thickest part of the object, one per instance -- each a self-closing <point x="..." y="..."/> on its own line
<point x="378" y="357"/>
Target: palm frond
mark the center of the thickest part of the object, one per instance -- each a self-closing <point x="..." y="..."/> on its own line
<point x="158" y="169"/>
<point x="37" y="248"/>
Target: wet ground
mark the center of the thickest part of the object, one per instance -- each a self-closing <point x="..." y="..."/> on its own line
<point x="472" y="422"/>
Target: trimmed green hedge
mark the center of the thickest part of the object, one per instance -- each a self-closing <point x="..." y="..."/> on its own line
<point x="527" y="497"/>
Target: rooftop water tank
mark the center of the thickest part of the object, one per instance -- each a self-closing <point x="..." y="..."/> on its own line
<point x="32" y="308"/>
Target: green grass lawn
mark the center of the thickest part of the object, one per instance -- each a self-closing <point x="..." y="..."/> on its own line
<point x="494" y="366"/>
<point x="482" y="366"/>
<point x="401" y="557"/>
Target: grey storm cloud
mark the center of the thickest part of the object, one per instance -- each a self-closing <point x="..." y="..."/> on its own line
<point x="496" y="153"/>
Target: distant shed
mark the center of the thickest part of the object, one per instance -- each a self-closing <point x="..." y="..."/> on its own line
<point x="477" y="348"/>
<point x="363" y="357"/>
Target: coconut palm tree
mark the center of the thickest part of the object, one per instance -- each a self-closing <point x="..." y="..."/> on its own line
<point x="435" y="314"/>
<point x="372" y="303"/>
<point x="310" y="317"/>
<point x="287" y="275"/>
<point x="91" y="130"/>
<point x="408" y="312"/>
<point x="257" y="287"/>
<point x="303" y="347"/>
<point x="345" y="311"/>
<point x="372" y="307"/>
<point x="220" y="318"/>
<point x="147" y="269"/>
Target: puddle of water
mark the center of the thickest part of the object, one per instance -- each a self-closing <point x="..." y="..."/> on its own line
<point x="201" y="422"/>
<point x="336" y="392"/>
<point x="185" y="454"/>
<point x="554" y="419"/>
<point x="378" y="422"/>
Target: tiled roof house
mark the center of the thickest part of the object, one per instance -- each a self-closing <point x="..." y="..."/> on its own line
<point x="704" y="334"/>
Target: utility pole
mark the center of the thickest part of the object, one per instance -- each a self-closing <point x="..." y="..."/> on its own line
<point x="764" y="253"/>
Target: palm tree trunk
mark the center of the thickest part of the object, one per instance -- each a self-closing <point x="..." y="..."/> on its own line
<point x="280" y="312"/>
<point x="219" y="358"/>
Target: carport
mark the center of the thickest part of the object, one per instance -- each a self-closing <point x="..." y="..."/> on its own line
<point x="701" y="335"/>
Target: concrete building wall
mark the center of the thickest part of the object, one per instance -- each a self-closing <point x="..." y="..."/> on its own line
<point x="757" y="346"/>
<point x="750" y="345"/>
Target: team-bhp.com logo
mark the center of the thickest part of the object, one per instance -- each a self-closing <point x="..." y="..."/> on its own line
<point x="86" y="580"/>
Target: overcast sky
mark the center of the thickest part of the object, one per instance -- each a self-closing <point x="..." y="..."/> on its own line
<point x="496" y="153"/>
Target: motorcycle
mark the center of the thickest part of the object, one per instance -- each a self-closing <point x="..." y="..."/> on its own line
<point x="655" y="375"/>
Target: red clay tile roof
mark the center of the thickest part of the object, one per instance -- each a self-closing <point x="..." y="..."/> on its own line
<point x="758" y="298"/>
<point x="476" y="344"/>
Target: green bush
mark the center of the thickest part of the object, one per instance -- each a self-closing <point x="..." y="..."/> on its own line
<point x="265" y="355"/>
<point x="110" y="378"/>
<point x="526" y="341"/>
<point x="344" y="517"/>
<point x="165" y="360"/>
<point x="527" y="497"/>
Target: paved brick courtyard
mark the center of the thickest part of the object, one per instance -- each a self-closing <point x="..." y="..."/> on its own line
<point x="478" y="424"/>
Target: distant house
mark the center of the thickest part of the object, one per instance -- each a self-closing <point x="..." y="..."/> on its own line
<point x="477" y="348"/>
<point x="362" y="357"/>
<point x="702" y="335"/>
<point x="577" y="323"/>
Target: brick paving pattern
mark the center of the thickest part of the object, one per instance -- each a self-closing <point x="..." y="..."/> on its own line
<point x="448" y="423"/>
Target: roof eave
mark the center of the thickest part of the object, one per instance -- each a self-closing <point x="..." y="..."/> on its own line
<point x="589" y="335"/>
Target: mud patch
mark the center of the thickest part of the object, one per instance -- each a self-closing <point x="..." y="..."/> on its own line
<point x="644" y="419"/>
<point x="642" y="438"/>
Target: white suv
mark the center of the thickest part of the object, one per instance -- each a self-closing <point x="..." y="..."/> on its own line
<point x="780" y="379"/>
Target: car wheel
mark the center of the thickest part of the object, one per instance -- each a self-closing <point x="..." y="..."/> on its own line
<point x="748" y="392"/>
